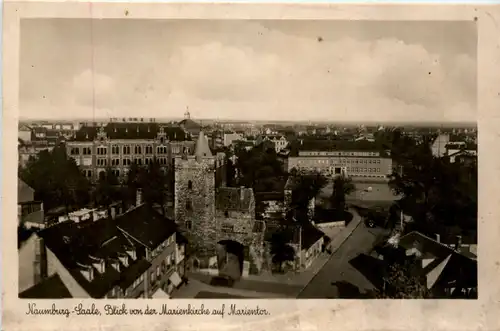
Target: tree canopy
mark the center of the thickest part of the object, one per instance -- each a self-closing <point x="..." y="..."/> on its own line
<point x="342" y="186"/>
<point x="404" y="280"/>
<point x="260" y="169"/>
<point x="437" y="193"/>
<point x="152" y="179"/>
<point x="56" y="179"/>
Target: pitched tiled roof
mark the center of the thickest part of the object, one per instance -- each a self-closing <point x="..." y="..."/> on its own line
<point x="131" y="131"/>
<point x="77" y="244"/>
<point x="50" y="288"/>
<point x="448" y="267"/>
<point x="234" y="198"/>
<point x="147" y="226"/>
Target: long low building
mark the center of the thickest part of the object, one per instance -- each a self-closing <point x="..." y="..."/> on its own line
<point x="359" y="160"/>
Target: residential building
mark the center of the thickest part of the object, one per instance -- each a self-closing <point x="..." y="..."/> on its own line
<point x="359" y="160"/>
<point x="135" y="255"/>
<point x="456" y="150"/>
<point x="29" y="211"/>
<point x="119" y="145"/>
<point x="25" y="132"/>
<point x="447" y="270"/>
<point x="31" y="149"/>
<point x="31" y="254"/>
<point x="230" y="138"/>
<point x="439" y="145"/>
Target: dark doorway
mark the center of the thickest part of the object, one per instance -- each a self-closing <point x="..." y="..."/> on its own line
<point x="230" y="259"/>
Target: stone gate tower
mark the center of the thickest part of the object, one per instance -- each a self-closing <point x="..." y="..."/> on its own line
<point x="195" y="198"/>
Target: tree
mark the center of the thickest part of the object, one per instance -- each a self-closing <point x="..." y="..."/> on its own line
<point x="306" y="186"/>
<point x="260" y="169"/>
<point x="154" y="182"/>
<point x="404" y="280"/>
<point x="281" y="251"/>
<point x="107" y="189"/>
<point x="56" y="179"/>
<point x="342" y="186"/>
<point x="438" y="194"/>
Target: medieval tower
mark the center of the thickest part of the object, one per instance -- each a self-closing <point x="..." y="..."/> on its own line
<point x="195" y="197"/>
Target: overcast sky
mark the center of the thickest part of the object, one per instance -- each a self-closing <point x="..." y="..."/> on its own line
<point x="294" y="70"/>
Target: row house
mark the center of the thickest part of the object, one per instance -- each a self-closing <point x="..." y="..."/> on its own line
<point x="119" y="145"/>
<point x="137" y="255"/>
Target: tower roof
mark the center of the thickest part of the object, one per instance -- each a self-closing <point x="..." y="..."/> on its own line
<point x="202" y="148"/>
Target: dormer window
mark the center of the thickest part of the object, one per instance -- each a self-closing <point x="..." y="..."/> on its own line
<point x="116" y="265"/>
<point x="132" y="253"/>
<point x="124" y="260"/>
<point x="87" y="271"/>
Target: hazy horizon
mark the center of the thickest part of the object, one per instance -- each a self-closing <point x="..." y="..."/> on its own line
<point x="248" y="70"/>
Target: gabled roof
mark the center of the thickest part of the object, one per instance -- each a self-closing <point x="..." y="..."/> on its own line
<point x="448" y="267"/>
<point x="50" y="288"/>
<point x="77" y="244"/>
<point x="234" y="198"/>
<point x="146" y="225"/>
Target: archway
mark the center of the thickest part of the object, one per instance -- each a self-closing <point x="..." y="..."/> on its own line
<point x="230" y="257"/>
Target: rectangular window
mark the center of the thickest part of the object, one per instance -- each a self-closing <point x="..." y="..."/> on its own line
<point x="126" y="150"/>
<point x="149" y="149"/>
<point x="189" y="225"/>
<point x="138" y="150"/>
<point x="227" y="228"/>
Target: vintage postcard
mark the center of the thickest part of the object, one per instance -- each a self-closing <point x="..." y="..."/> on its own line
<point x="210" y="166"/>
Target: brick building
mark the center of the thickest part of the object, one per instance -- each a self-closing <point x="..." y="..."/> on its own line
<point x="118" y="145"/>
<point x="211" y="214"/>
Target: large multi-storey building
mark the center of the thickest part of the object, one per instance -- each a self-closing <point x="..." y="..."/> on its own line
<point x="359" y="160"/>
<point x="119" y="145"/>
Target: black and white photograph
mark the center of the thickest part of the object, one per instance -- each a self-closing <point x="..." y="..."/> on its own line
<point x="247" y="159"/>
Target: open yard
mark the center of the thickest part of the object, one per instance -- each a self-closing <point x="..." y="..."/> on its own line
<point x="379" y="195"/>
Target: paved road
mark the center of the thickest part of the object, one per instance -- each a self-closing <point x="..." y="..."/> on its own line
<point x="338" y="268"/>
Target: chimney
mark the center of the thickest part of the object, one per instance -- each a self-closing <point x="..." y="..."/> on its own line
<point x="438" y="238"/>
<point x="242" y="193"/>
<point x="458" y="243"/>
<point x="138" y="201"/>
